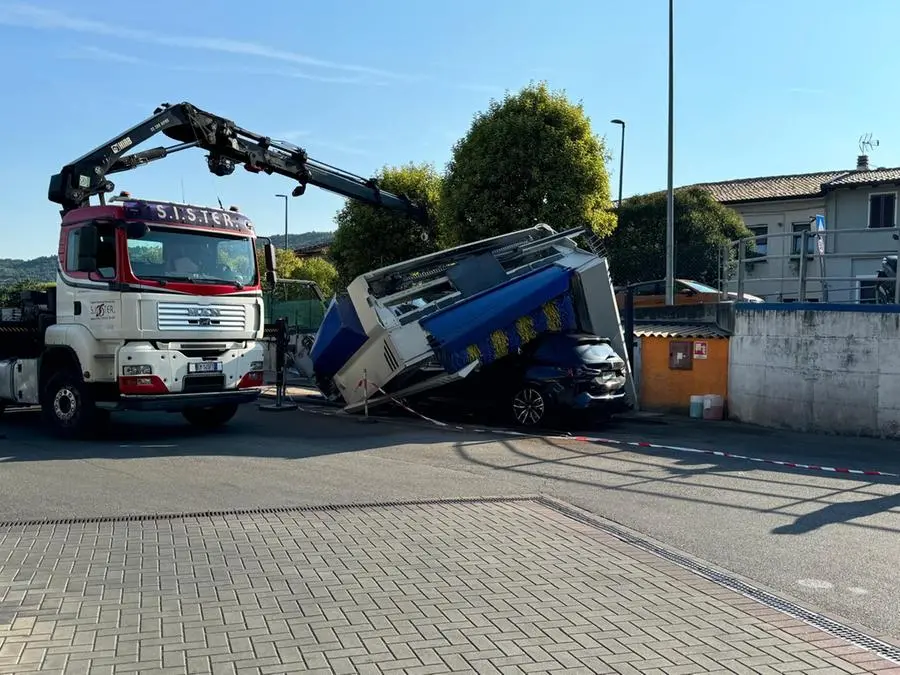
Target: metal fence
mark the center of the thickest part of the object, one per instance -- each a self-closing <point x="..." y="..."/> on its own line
<point x="837" y="266"/>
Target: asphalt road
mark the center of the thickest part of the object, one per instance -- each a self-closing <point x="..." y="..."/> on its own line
<point x="828" y="540"/>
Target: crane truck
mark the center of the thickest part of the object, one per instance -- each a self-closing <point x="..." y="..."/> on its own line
<point x="157" y="304"/>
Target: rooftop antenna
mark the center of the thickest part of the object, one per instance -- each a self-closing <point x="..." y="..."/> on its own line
<point x="866" y="144"/>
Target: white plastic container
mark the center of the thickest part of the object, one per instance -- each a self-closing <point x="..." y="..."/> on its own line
<point x="713" y="407"/>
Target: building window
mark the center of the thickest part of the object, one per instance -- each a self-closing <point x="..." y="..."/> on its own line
<point x="796" y="240"/>
<point x="761" y="243"/>
<point x="883" y="209"/>
<point x="866" y="289"/>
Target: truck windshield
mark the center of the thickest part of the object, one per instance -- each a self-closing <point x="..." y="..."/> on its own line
<point x="168" y="254"/>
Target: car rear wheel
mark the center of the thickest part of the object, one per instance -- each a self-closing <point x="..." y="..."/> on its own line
<point x="529" y="407"/>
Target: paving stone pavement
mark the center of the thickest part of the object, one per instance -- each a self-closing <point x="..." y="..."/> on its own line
<point x="430" y="588"/>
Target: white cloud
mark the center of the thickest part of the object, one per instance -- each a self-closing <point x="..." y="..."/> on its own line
<point x="17" y="14"/>
<point x="98" y="54"/>
<point x="295" y="74"/>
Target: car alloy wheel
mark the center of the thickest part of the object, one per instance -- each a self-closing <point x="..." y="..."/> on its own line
<point x="528" y="406"/>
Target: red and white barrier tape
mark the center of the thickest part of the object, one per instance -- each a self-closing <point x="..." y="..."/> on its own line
<point x="732" y="455"/>
<point x="639" y="444"/>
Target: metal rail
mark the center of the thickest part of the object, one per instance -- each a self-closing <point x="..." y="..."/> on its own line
<point x="839" y="266"/>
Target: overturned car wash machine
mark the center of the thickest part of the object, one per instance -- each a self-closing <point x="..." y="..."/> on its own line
<point x="420" y="324"/>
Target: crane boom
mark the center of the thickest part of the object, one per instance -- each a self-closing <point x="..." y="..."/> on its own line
<point x="227" y="145"/>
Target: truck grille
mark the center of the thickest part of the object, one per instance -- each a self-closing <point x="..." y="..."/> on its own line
<point x="197" y="317"/>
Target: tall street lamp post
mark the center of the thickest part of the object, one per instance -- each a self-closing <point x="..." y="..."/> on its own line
<point x="670" y="201"/>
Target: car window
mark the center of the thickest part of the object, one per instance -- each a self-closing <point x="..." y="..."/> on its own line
<point x="571" y="352"/>
<point x="700" y="288"/>
<point x="593" y="352"/>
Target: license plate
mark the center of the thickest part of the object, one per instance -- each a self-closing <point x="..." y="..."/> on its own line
<point x="205" y="367"/>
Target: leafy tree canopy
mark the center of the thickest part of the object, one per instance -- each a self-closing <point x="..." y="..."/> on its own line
<point x="11" y="293"/>
<point x="319" y="270"/>
<point x="637" y="248"/>
<point x="289" y="266"/>
<point x="369" y="237"/>
<point x="530" y="158"/>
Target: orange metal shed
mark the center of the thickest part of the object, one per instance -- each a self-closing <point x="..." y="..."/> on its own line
<point x="678" y="361"/>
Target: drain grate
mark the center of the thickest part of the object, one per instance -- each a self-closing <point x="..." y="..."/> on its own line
<point x="830" y="626"/>
<point x="259" y="511"/>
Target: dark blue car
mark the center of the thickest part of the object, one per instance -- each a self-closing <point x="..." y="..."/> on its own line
<point x="555" y="374"/>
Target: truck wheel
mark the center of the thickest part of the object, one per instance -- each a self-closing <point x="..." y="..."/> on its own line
<point x="211" y="417"/>
<point x="68" y="405"/>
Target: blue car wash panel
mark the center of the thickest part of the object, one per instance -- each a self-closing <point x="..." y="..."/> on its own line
<point x="339" y="337"/>
<point x="491" y="324"/>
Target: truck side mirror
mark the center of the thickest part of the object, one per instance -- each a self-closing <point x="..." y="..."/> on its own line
<point x="136" y="230"/>
<point x="271" y="274"/>
<point x="88" y="246"/>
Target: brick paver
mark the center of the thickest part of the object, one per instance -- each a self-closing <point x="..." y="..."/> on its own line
<point x="472" y="587"/>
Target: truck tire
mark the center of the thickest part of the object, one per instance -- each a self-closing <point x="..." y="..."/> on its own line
<point x="210" y="417"/>
<point x="68" y="406"/>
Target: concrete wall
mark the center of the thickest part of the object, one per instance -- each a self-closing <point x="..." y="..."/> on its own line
<point x="720" y="314"/>
<point x="828" y="368"/>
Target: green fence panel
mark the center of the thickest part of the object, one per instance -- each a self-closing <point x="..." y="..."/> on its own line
<point x="307" y="315"/>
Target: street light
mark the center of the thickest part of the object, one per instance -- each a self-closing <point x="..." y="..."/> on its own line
<point x="285" y="198"/>
<point x="670" y="198"/>
<point x="621" y="157"/>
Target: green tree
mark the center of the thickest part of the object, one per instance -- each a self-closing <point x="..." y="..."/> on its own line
<point x="289" y="266"/>
<point x="11" y="293"/>
<point x="318" y="270"/>
<point x="369" y="237"/>
<point x="530" y="158"/>
<point x="637" y="248"/>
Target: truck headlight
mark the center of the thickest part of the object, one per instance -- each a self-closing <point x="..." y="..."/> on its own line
<point x="256" y="365"/>
<point x="142" y="369"/>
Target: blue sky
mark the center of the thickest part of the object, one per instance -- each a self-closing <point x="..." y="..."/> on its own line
<point x="762" y="87"/>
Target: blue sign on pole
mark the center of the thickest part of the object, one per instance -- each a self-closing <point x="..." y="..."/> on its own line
<point x="820" y="247"/>
<point x="820" y="223"/>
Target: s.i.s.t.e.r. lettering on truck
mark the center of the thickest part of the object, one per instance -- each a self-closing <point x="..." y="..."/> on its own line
<point x="158" y="305"/>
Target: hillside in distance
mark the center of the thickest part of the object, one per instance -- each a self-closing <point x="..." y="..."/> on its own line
<point x="36" y="269"/>
<point x="44" y="267"/>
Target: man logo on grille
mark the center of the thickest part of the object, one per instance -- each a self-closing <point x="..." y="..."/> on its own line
<point x="204" y="312"/>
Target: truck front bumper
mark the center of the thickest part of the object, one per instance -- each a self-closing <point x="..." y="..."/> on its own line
<point x="178" y="402"/>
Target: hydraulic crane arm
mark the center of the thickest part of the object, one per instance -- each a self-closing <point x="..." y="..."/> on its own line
<point x="227" y="145"/>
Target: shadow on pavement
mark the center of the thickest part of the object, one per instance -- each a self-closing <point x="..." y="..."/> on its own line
<point x="288" y="435"/>
<point x="842" y="512"/>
